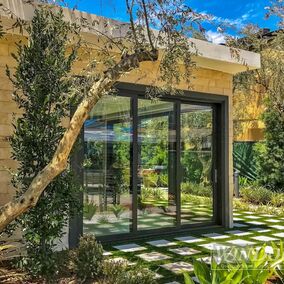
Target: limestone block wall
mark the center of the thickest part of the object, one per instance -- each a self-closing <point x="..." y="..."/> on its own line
<point x="204" y="80"/>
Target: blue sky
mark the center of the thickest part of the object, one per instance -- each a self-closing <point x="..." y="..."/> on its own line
<point x="237" y="12"/>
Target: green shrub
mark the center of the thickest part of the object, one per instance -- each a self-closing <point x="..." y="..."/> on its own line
<point x="88" y="259"/>
<point x="42" y="86"/>
<point x="120" y="273"/>
<point x="153" y="194"/>
<point x="151" y="180"/>
<point x="244" y="160"/>
<point x="159" y="194"/>
<point x="103" y="219"/>
<point x="146" y="194"/>
<point x="270" y="153"/>
<point x="256" y="194"/>
<point x="196" y="189"/>
<point x="239" y="204"/>
<point x="117" y="210"/>
<point x="90" y="209"/>
<point x="277" y="199"/>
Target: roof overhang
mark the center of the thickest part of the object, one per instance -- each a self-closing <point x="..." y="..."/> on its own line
<point x="209" y="55"/>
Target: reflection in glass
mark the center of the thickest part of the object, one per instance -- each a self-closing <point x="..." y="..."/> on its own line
<point x="156" y="160"/>
<point x="196" y="164"/>
<point x="107" y="140"/>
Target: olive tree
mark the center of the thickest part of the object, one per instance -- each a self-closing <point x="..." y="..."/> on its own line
<point x="158" y="31"/>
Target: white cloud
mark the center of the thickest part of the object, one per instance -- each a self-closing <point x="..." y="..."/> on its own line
<point x="215" y="37"/>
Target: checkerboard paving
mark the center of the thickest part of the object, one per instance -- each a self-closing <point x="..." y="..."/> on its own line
<point x="172" y="255"/>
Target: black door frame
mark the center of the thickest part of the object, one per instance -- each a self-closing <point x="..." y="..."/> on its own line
<point x="221" y="195"/>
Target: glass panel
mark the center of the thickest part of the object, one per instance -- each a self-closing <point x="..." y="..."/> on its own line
<point x="196" y="164"/>
<point x="107" y="140"/>
<point x="156" y="165"/>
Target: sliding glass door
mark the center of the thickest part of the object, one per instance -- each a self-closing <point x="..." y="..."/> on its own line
<point x="107" y="179"/>
<point x="156" y="197"/>
<point x="147" y="165"/>
<point x="196" y="130"/>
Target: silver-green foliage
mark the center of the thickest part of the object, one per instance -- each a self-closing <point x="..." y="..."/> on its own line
<point x="88" y="258"/>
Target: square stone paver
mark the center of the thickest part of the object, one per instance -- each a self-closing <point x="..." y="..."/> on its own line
<point x="264" y="238"/>
<point x="255" y="222"/>
<point x="240" y="242"/>
<point x="130" y="247"/>
<point x="240" y="225"/>
<point x="161" y="243"/>
<point x="184" y="251"/>
<point x="214" y="246"/>
<point x="259" y="230"/>
<point x="107" y="253"/>
<point x="238" y="233"/>
<point x="238" y="219"/>
<point x="178" y="267"/>
<point x="215" y="236"/>
<point x="189" y="239"/>
<point x="277" y="227"/>
<point x="280" y="235"/>
<point x="272" y="221"/>
<point x="252" y="217"/>
<point x="153" y="256"/>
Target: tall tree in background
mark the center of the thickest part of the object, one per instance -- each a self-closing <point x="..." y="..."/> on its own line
<point x="268" y="84"/>
<point x="173" y="22"/>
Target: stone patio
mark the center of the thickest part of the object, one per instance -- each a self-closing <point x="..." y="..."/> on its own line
<point x="172" y="255"/>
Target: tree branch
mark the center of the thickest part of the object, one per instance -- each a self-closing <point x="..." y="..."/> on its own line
<point x="147" y="25"/>
<point x="130" y="12"/>
<point x="59" y="162"/>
